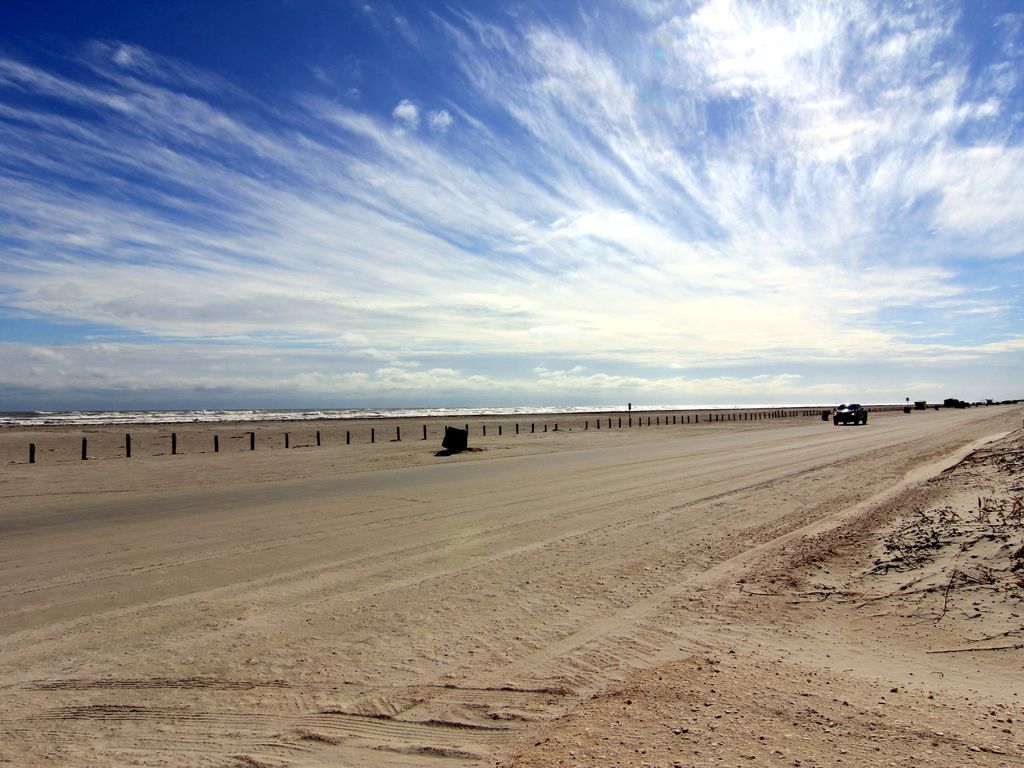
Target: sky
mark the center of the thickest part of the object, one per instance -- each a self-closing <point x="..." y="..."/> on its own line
<point x="322" y="203"/>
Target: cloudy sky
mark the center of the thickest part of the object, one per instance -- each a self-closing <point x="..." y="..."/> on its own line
<point x="328" y="203"/>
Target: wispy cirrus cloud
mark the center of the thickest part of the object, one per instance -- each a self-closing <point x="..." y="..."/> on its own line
<point x="745" y="186"/>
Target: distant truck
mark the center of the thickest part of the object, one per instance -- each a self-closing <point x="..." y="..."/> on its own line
<point x="854" y="413"/>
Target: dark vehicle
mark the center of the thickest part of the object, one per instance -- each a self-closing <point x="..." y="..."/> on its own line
<point x="854" y="413"/>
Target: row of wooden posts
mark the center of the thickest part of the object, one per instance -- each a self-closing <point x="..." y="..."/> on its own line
<point x="711" y="417"/>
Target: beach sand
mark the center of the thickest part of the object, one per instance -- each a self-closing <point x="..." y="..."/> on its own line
<point x="750" y="592"/>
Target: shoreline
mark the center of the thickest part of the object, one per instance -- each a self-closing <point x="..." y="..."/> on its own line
<point x="85" y="418"/>
<point x="64" y="443"/>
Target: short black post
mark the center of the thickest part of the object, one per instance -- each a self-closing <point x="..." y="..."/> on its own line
<point x="586" y="425"/>
<point x="424" y="431"/>
<point x="532" y="425"/>
<point x="174" y="443"/>
<point x="620" y="422"/>
<point x="127" y="445"/>
<point x="216" y="443"/>
<point x="485" y="430"/>
<point x="545" y="427"/>
<point x="398" y="434"/>
<point x="630" y="421"/>
<point x="318" y="438"/>
<point x="499" y="430"/>
<point x="85" y="448"/>
<point x="373" y="435"/>
<point x="517" y="427"/>
<point x="556" y="427"/>
<point x="31" y="453"/>
<point x="252" y="441"/>
<point x="286" y="440"/>
<point x="348" y="438"/>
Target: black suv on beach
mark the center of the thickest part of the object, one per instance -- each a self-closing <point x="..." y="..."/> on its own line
<point x="854" y="413"/>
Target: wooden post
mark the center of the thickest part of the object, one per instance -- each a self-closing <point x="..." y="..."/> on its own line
<point x="517" y="427"/>
<point x="286" y="440"/>
<point x="216" y="443"/>
<point x="127" y="445"/>
<point x="85" y="448"/>
<point x="545" y="427"/>
<point x="424" y="431"/>
<point x="556" y="427"/>
<point x="174" y="443"/>
<point x="252" y="441"/>
<point x="318" y="438"/>
<point x="532" y="425"/>
<point x="348" y="438"/>
<point x="485" y="431"/>
<point x="373" y="435"/>
<point x="620" y="422"/>
<point x="31" y="453"/>
<point x="499" y="430"/>
<point x="398" y="434"/>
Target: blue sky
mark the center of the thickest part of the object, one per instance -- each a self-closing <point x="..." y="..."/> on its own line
<point x="313" y="203"/>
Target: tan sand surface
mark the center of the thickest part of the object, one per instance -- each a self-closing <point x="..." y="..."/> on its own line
<point x="674" y="595"/>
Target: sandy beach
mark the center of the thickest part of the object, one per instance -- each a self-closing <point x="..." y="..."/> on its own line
<point x="752" y="591"/>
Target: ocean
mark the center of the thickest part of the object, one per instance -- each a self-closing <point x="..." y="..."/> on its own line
<point x="74" y="418"/>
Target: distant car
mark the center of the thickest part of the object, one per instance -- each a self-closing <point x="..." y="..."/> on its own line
<point x="854" y="413"/>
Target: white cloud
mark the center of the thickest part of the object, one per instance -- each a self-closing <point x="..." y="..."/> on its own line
<point x="407" y="113"/>
<point x="440" y="120"/>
